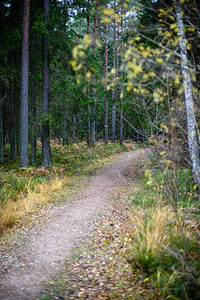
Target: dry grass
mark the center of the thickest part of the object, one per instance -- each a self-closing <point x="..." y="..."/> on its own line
<point x="154" y="230"/>
<point x="12" y="212"/>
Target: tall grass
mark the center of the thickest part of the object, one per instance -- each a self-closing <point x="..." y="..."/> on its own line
<point x="165" y="230"/>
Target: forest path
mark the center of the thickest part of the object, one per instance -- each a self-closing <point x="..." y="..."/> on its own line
<point x="42" y="251"/>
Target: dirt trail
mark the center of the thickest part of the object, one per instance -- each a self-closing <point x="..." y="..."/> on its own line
<point x="43" y="253"/>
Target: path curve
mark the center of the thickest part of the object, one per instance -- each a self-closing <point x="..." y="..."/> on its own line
<point x="46" y="248"/>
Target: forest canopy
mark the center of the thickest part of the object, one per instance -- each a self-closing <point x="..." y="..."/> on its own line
<point x="90" y="70"/>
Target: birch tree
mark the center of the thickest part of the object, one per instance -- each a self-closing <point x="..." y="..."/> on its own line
<point x="191" y="122"/>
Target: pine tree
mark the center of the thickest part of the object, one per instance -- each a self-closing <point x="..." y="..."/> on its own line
<point x="46" y="149"/>
<point x="24" y="160"/>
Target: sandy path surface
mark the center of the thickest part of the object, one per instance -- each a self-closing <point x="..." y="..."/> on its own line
<point x="45" y="248"/>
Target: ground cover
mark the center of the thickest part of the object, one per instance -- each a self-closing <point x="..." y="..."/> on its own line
<point x="22" y="190"/>
<point x="141" y="249"/>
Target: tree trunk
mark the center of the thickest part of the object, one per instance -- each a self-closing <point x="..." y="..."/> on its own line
<point x="88" y="107"/>
<point x="93" y="126"/>
<point x="33" y="107"/>
<point x="121" y="89"/>
<point x="106" y="99"/>
<point x="114" y="89"/>
<point x="88" y="123"/>
<point x="191" y="122"/>
<point x="12" y="122"/>
<point x="17" y="114"/>
<point x="1" y="124"/>
<point x="24" y="161"/>
<point x="74" y="129"/>
<point x="46" y="149"/>
<point x="64" y="127"/>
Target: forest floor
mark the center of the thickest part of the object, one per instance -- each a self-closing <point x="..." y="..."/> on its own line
<point x="32" y="259"/>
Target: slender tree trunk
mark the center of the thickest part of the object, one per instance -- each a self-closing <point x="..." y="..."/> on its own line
<point x="114" y="89"/>
<point x="88" y="123"/>
<point x="93" y="126"/>
<point x="106" y="99"/>
<point x="1" y="90"/>
<point x="46" y="149"/>
<point x="64" y="127"/>
<point x="33" y="107"/>
<point x="1" y="124"/>
<point x="17" y="115"/>
<point x="24" y="161"/>
<point x="74" y="129"/>
<point x="33" y="124"/>
<point x="121" y="89"/>
<point x="191" y="121"/>
<point x="88" y="107"/>
<point x="12" y="122"/>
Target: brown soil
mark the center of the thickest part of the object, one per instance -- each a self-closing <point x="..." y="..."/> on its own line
<point x="41" y="252"/>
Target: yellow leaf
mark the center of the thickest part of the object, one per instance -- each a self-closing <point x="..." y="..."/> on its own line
<point x="125" y="5"/>
<point x="152" y="74"/>
<point x="121" y="95"/>
<point x="75" y="52"/>
<point x="113" y="71"/>
<point x="73" y="63"/>
<point x="190" y="29"/>
<point x="77" y="68"/>
<point x="105" y="20"/>
<point x="137" y="38"/>
<point x="174" y="25"/>
<point x="159" y="60"/>
<point x="162" y="153"/>
<point x="88" y="75"/>
<point x="194" y="77"/>
<point x="146" y="76"/>
<point x="108" y="12"/>
<point x="195" y="187"/>
<point x="177" y="79"/>
<point x="164" y="127"/>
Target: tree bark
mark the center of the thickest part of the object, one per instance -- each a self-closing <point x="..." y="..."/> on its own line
<point x="191" y="121"/>
<point x="12" y="121"/>
<point x="106" y="99"/>
<point x="46" y="149"/>
<point x="114" y="89"/>
<point x="88" y="106"/>
<point x="64" y="127"/>
<point x="33" y="106"/>
<point x="1" y="124"/>
<point x="24" y="161"/>
<point x="93" y="126"/>
<point x="74" y="129"/>
<point x="121" y="89"/>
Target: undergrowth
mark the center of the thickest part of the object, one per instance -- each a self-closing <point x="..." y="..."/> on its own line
<point x="166" y="224"/>
<point x="144" y="249"/>
<point x="24" y="188"/>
